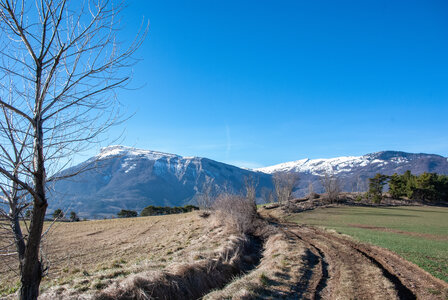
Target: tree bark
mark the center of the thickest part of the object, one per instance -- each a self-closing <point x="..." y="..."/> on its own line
<point x="31" y="266"/>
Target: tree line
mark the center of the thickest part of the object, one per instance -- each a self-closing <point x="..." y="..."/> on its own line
<point x="152" y="210"/>
<point x="429" y="187"/>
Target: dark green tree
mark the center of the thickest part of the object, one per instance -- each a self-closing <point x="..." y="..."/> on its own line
<point x="425" y="187"/>
<point x="442" y="188"/>
<point x="74" y="217"/>
<point x="58" y="214"/>
<point x="430" y="187"/>
<point x="397" y="186"/>
<point x="124" y="213"/>
<point x="376" y="185"/>
<point x="189" y="208"/>
<point x="410" y="183"/>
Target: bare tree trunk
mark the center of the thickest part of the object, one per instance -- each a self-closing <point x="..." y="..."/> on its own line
<point x="31" y="268"/>
<point x="15" y="222"/>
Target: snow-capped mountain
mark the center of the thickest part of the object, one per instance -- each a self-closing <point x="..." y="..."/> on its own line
<point x="387" y="161"/>
<point x="121" y="177"/>
<point x="354" y="171"/>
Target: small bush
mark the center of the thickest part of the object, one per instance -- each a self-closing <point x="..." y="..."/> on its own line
<point x="236" y="211"/>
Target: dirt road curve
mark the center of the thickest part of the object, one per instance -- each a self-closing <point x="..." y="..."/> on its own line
<point x="339" y="268"/>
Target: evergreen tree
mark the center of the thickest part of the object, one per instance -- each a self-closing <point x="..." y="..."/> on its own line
<point x="430" y="187"/>
<point x="124" y="213"/>
<point x="74" y="217"/>
<point x="397" y="186"/>
<point x="376" y="185"/>
<point x="410" y="183"/>
<point x="58" y="214"/>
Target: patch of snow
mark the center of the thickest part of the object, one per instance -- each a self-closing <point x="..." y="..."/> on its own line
<point x="128" y="165"/>
<point x="399" y="160"/>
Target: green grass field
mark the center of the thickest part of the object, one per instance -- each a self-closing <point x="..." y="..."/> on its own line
<point x="418" y="234"/>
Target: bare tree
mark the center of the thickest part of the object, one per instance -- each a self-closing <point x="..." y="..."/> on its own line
<point x="332" y="186"/>
<point x="206" y="197"/>
<point x="250" y="187"/>
<point x="361" y="184"/>
<point x="284" y="184"/>
<point x="61" y="62"/>
<point x="311" y="193"/>
<point x="268" y="196"/>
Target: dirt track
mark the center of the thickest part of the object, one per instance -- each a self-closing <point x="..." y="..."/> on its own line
<point x="339" y="268"/>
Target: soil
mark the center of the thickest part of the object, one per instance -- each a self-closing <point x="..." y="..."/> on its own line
<point x="340" y="268"/>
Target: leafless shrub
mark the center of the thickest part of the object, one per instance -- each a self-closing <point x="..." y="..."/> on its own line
<point x="206" y="198"/>
<point x="250" y="188"/>
<point x="268" y="196"/>
<point x="284" y="184"/>
<point x="332" y="187"/>
<point x="311" y="194"/>
<point x="237" y="212"/>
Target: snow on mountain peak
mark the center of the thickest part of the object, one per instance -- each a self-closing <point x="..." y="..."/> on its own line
<point x="326" y="165"/>
<point x="132" y="157"/>
<point x="118" y="150"/>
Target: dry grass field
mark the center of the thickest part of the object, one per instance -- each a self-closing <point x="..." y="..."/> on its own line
<point x="96" y="259"/>
<point x="83" y="255"/>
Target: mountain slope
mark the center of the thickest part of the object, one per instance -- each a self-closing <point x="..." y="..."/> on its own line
<point x="128" y="178"/>
<point x="354" y="171"/>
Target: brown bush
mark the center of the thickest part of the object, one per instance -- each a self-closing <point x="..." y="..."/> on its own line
<point x="236" y="212"/>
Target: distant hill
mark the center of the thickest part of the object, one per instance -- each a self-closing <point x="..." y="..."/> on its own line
<point x="129" y="178"/>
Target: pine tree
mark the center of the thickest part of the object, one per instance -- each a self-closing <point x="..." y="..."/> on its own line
<point x="58" y="214"/>
<point x="376" y="185"/>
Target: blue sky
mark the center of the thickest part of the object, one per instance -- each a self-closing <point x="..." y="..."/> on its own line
<point x="255" y="83"/>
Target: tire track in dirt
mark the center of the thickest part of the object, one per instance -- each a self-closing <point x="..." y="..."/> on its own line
<point x="315" y="271"/>
<point x="403" y="292"/>
<point x="358" y="271"/>
<point x="410" y="277"/>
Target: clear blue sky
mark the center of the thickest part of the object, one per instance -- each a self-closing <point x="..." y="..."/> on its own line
<point x="255" y="83"/>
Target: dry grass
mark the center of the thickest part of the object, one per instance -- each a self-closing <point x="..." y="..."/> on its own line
<point x="181" y="281"/>
<point x="209" y="261"/>
<point x="88" y="256"/>
<point x="278" y="272"/>
<point x="238" y="253"/>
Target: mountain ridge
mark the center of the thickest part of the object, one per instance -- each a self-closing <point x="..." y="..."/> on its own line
<point x="306" y="164"/>
<point x="131" y="178"/>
